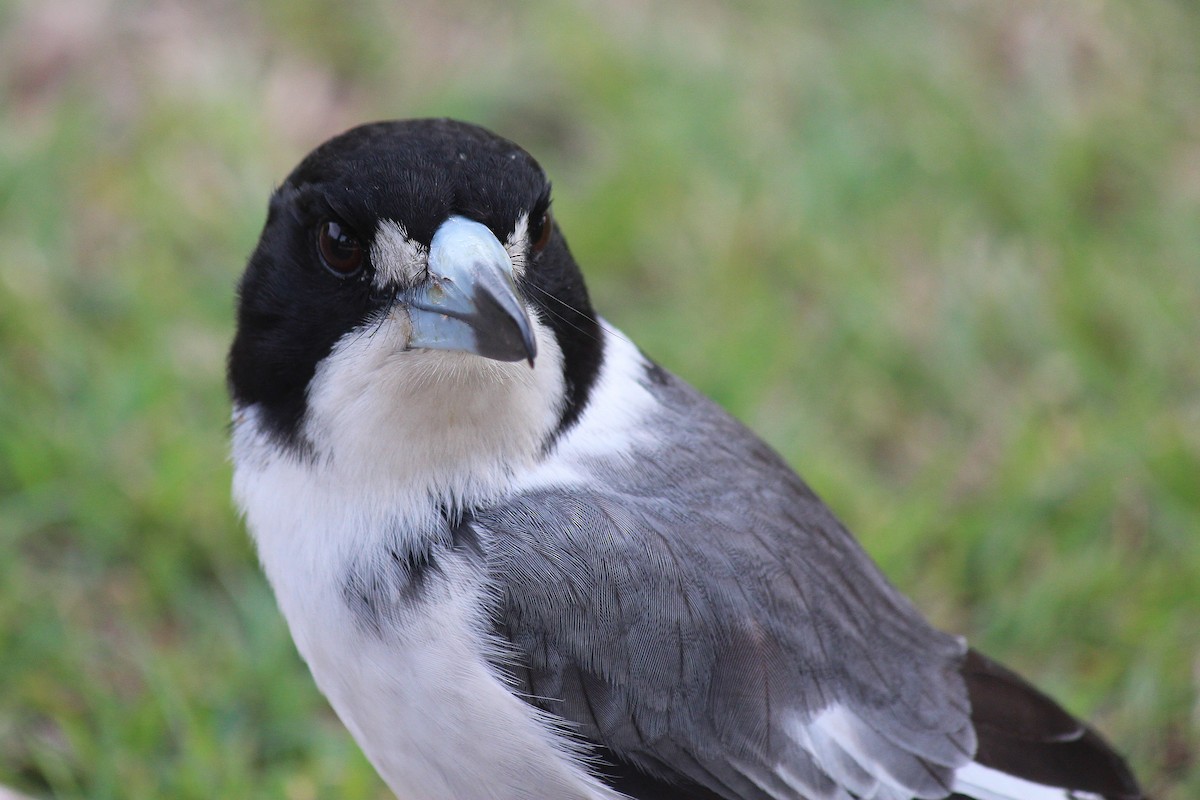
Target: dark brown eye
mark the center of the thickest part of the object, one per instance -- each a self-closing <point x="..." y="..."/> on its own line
<point x="542" y="232"/>
<point x="341" y="252"/>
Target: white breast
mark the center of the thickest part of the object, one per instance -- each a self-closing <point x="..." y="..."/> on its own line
<point x="419" y="692"/>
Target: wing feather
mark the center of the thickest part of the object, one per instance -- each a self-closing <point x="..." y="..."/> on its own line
<point x="705" y="617"/>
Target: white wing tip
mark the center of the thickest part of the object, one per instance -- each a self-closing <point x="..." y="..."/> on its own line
<point x="985" y="783"/>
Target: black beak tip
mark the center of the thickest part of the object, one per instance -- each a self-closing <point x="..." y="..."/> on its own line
<point x="530" y="347"/>
<point x="502" y="330"/>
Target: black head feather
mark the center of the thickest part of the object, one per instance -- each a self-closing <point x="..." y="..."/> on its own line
<point x="417" y="173"/>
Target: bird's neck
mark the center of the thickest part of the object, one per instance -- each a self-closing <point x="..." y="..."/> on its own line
<point x="452" y="427"/>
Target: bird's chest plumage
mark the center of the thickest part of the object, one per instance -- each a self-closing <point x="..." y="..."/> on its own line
<point x="386" y="600"/>
<point x="359" y="583"/>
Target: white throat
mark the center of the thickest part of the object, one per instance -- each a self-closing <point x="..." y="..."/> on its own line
<point x="406" y="425"/>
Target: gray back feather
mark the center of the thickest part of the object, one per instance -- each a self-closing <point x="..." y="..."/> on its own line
<point x="697" y="605"/>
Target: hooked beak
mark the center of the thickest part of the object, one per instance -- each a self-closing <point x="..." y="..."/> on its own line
<point x="470" y="301"/>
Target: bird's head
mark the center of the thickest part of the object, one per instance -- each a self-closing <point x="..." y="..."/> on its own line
<point x="409" y="275"/>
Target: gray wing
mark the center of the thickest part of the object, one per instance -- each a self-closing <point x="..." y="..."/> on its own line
<point x="704" y="615"/>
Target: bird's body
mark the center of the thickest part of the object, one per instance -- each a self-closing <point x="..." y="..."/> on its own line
<point x="573" y="577"/>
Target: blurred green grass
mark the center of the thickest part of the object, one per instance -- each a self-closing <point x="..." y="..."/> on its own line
<point x="944" y="256"/>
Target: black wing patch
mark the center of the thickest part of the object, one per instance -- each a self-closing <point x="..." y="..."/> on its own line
<point x="1024" y="733"/>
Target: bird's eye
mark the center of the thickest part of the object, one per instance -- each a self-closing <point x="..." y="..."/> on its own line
<point x="542" y="233"/>
<point x="341" y="252"/>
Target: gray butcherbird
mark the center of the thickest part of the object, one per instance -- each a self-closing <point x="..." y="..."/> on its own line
<point x="524" y="561"/>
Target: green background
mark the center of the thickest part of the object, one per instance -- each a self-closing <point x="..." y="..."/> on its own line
<point x="945" y="256"/>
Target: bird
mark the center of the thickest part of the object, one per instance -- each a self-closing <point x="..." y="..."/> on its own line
<point x="521" y="559"/>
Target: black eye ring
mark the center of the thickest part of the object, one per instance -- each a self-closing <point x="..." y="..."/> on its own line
<point x="341" y="253"/>
<point x="543" y="231"/>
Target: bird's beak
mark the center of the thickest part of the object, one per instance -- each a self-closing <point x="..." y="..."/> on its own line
<point x="470" y="301"/>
